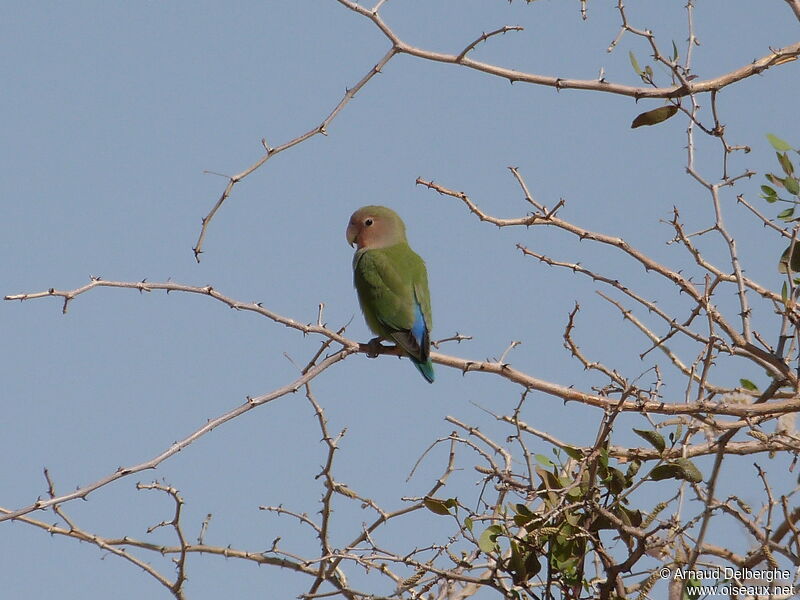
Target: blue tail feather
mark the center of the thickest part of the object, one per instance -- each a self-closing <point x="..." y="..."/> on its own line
<point x="426" y="368"/>
<point x="419" y="330"/>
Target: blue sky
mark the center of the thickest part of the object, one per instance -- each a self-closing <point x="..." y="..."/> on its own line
<point x="113" y="111"/>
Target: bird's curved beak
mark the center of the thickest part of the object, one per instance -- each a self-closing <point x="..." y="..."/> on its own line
<point x="352" y="234"/>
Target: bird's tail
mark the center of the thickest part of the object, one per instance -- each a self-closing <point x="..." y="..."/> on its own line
<point x="426" y="368"/>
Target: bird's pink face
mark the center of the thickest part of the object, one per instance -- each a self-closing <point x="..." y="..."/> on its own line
<point x="366" y="230"/>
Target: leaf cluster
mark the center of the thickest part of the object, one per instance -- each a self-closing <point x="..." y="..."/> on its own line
<point x="569" y="503"/>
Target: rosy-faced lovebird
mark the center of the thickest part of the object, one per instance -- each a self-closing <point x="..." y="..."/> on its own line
<point x="392" y="284"/>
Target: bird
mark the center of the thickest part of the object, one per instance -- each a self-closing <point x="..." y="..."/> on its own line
<point x="391" y="282"/>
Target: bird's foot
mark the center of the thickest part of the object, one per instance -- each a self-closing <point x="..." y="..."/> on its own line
<point x="374" y="347"/>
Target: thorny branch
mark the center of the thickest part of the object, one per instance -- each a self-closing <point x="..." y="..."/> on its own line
<point x="566" y="393"/>
<point x="553" y="513"/>
<point x="774" y="58"/>
<point x="682" y="86"/>
<point x="270" y="152"/>
<point x="738" y="343"/>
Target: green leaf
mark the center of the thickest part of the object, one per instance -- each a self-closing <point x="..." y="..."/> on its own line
<point x="768" y="191"/>
<point x="602" y="458"/>
<point x="634" y="517"/>
<point x="488" y="540"/>
<point x="792" y="185"/>
<point x="680" y="468"/>
<point x="655" y="116"/>
<point x="688" y="471"/>
<point x="543" y="460"/>
<point x="549" y="480"/>
<point x="653" y="437"/>
<point x="786" y="215"/>
<point x="635" y="63"/>
<point x="678" y="431"/>
<point x="783" y="263"/>
<point x="778" y="143"/>
<point x="649" y="70"/>
<point x="575" y="493"/>
<point x="523" y="510"/>
<point x="517" y="564"/>
<point x="468" y="523"/>
<point x="573" y="453"/>
<point x="523" y="516"/>
<point x="522" y="564"/>
<point x="785" y="163"/>
<point x="748" y="385"/>
<point x="784" y="289"/>
<point x="633" y="469"/>
<point x="532" y="564"/>
<point x="665" y="471"/>
<point x="522" y="520"/>
<point x="674" y="51"/>
<point x="772" y="178"/>
<point x="615" y="482"/>
<point x="439" y="507"/>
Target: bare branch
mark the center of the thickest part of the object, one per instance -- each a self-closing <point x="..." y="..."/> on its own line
<point x="774" y="58"/>
<point x="485" y="36"/>
<point x="322" y="128"/>
<point x="740" y="344"/>
<point x="84" y="491"/>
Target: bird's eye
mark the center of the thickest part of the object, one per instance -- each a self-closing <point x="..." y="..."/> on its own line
<point x="368" y="222"/>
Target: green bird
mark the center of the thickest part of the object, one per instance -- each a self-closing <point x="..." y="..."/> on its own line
<point x="392" y="284"/>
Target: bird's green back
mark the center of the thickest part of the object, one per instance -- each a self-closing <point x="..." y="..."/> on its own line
<point x="389" y="281"/>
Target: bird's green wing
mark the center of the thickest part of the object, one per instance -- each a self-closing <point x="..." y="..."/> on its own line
<point x="385" y="290"/>
<point x="392" y="286"/>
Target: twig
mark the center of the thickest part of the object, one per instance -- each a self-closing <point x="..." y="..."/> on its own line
<point x="759" y="65"/>
<point x="175" y="523"/>
<point x="270" y="152"/>
<point x="84" y="491"/>
<point x="485" y="36"/>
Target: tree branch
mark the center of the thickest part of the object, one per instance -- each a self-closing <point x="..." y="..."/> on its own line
<point x="270" y="152"/>
<point x="760" y="65"/>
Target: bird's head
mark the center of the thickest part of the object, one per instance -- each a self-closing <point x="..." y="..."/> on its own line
<point x="373" y="227"/>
